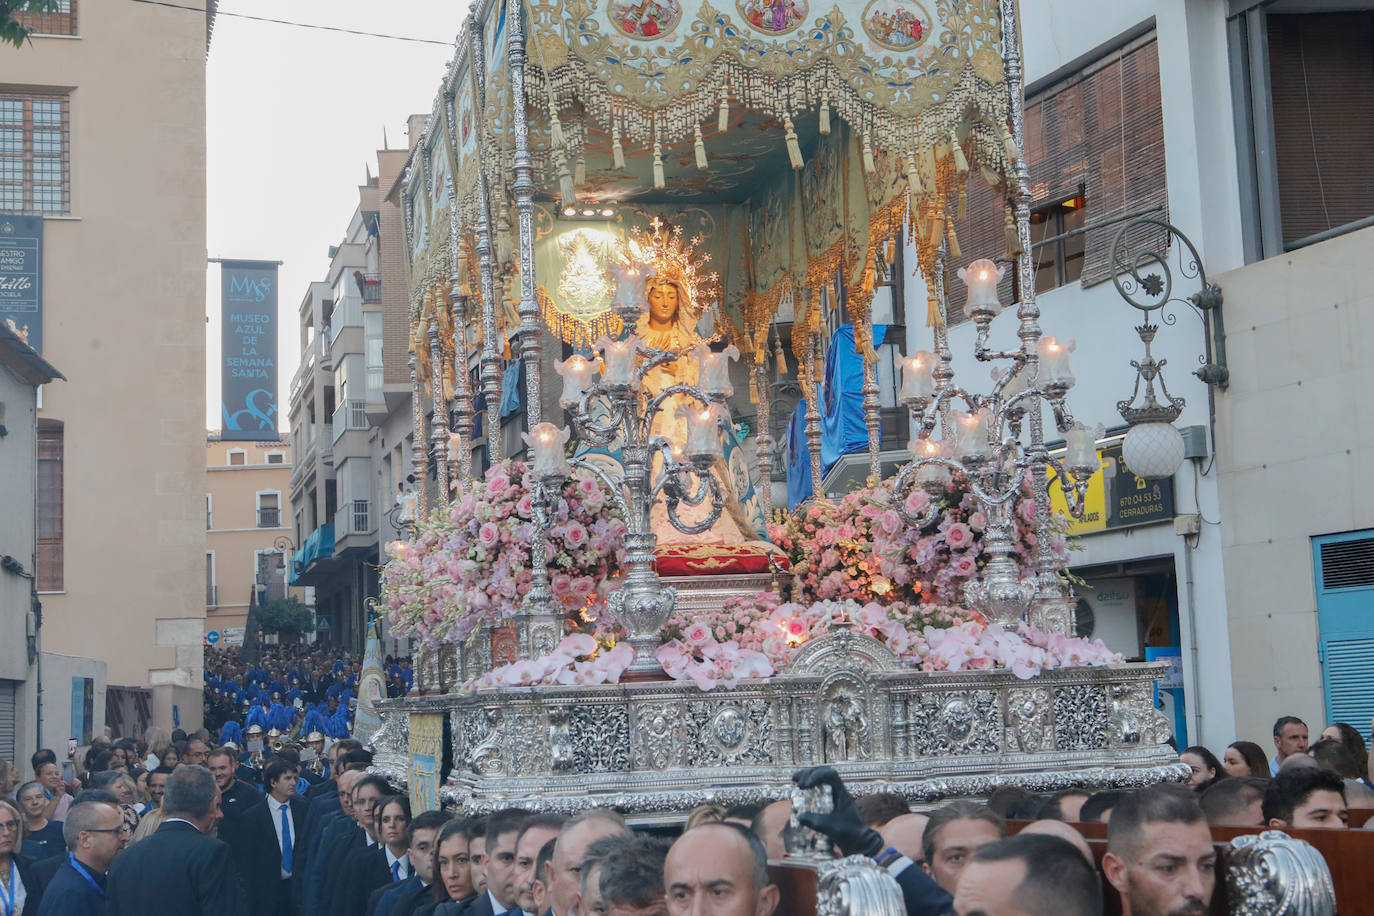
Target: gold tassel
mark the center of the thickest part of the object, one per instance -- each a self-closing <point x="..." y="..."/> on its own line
<point x="960" y="160"/>
<point x="700" y="148"/>
<point x="990" y="176"/>
<point x="779" y="357"/>
<point x="869" y="167"/>
<point x="937" y="228"/>
<point x="617" y="148"/>
<point x="1013" y="237"/>
<point x="963" y="203"/>
<point x="567" y="192"/>
<point x="723" y="119"/>
<point x="580" y="173"/>
<point x="922" y="222"/>
<point x="658" y="165"/>
<point x="753" y="391"/>
<point x="891" y="250"/>
<point x="932" y="311"/>
<point x="825" y="113"/>
<point x="555" y="128"/>
<point x="793" y="149"/>
<point x="913" y="177"/>
<point x="953" y="241"/>
<point x="1009" y="145"/>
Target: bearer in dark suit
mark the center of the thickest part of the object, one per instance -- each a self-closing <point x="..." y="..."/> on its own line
<point x="268" y="841"/>
<point x="181" y="868"/>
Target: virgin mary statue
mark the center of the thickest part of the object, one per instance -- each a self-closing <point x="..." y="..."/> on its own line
<point x="670" y="323"/>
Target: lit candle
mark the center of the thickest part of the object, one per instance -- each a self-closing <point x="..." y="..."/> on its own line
<point x="546" y="443"/>
<point x="1082" y="449"/>
<point x="930" y="475"/>
<point x="981" y="278"/>
<point x="703" y="432"/>
<point x="1054" y="362"/>
<point x="918" y="379"/>
<point x="619" y="356"/>
<point x="578" y="375"/>
<point x="629" y="289"/>
<point x="971" y="440"/>
<point x="713" y="369"/>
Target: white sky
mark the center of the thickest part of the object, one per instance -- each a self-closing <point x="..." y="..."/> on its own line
<point x="294" y="116"/>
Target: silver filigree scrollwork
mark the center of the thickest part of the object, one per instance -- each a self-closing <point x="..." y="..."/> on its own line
<point x="1274" y="874"/>
<point x="1080" y="717"/>
<point x="729" y="732"/>
<point x="562" y="758"/>
<point x="958" y="722"/>
<point x="656" y="745"/>
<point x="858" y="886"/>
<point x="601" y="739"/>
<point x="488" y="757"/>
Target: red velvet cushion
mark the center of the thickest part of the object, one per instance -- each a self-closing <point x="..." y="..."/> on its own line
<point x="716" y="559"/>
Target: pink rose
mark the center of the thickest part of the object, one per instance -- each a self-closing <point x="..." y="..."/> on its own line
<point x="575" y="534"/>
<point x="918" y="502"/>
<point x="561" y="584"/>
<point x="698" y="634"/>
<point x="958" y="536"/>
<point x="583" y="586"/>
<point x="488" y="534"/>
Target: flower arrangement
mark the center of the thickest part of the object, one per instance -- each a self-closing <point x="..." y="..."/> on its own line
<point x="469" y="563"/>
<point x="578" y="659"/>
<point x="860" y="548"/>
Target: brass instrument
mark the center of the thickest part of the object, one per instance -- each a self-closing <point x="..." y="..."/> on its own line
<point x="316" y="764"/>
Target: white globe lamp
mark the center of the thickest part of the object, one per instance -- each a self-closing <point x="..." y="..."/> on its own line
<point x="1153" y="450"/>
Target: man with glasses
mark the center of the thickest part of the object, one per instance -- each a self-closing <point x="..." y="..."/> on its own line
<point x="95" y="833"/>
<point x="197" y="751"/>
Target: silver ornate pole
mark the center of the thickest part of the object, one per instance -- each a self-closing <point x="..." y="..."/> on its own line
<point x="439" y="433"/>
<point x="812" y="389"/>
<point x="872" y="418"/>
<point x="531" y="347"/>
<point x="417" y="449"/>
<point x="764" y="440"/>
<point x="491" y="371"/>
<point x="458" y="308"/>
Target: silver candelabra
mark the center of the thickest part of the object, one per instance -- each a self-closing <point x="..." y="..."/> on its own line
<point x="616" y="408"/>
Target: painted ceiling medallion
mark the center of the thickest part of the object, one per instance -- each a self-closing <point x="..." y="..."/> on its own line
<point x="645" y="19"/>
<point x="898" y="25"/>
<point x="772" y="16"/>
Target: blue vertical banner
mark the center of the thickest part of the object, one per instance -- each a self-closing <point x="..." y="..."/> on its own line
<point x="21" y="277"/>
<point x="248" y="344"/>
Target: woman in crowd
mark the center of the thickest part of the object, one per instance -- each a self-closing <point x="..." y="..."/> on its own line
<point x="20" y="891"/>
<point x="171" y="758"/>
<point x="1207" y="769"/>
<point x="1245" y="758"/>
<point x="1354" y="742"/>
<point x="453" y="863"/>
<point x="42" y="837"/>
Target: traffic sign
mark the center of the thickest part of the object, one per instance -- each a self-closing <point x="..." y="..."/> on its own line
<point x="322" y="622"/>
<point x="212" y="637"/>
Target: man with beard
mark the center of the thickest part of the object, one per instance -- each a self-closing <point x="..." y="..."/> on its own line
<point x="1159" y="853"/>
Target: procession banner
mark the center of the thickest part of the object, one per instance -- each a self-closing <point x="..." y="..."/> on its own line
<point x="21" y="277"/>
<point x="248" y="347"/>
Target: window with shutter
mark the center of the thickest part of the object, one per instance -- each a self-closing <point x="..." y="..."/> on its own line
<point x="1344" y="566"/>
<point x="1321" y="77"/>
<point x="49" y="506"/>
<point x="1095" y="150"/>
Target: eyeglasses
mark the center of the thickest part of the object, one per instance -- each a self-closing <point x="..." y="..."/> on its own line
<point x="8" y="825"/>
<point x="122" y="828"/>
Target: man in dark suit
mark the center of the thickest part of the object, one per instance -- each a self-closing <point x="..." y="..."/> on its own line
<point x="93" y="832"/>
<point x="325" y="818"/>
<point x="269" y="839"/>
<point x="236" y="796"/>
<point x="503" y="829"/>
<point x="361" y="835"/>
<point x="181" y="868"/>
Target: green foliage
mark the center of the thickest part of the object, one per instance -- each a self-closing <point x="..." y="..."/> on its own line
<point x="286" y="615"/>
<point x="11" y="30"/>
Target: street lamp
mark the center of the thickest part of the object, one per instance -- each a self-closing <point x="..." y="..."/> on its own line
<point x="1145" y="278"/>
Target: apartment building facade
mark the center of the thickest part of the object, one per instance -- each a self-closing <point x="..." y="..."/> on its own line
<point x="350" y="411"/>
<point x="248" y="532"/>
<point x="102" y="135"/>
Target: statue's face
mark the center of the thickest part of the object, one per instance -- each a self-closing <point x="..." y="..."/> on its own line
<point x="662" y="302"/>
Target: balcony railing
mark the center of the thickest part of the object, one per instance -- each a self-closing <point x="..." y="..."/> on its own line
<point x="212" y="596"/>
<point x="269" y="517"/>
<point x="354" y="518"/>
<point x="351" y="414"/>
<point x="371" y="287"/>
